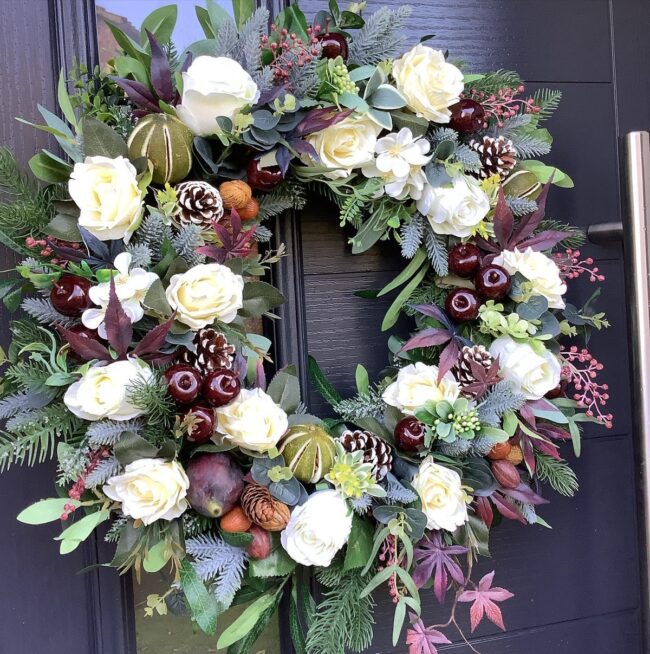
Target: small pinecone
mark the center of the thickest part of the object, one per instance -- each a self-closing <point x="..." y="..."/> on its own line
<point x="200" y="204"/>
<point x="463" y="369"/>
<point x="212" y="351"/>
<point x="263" y="509"/>
<point x="498" y="156"/>
<point x="375" y="450"/>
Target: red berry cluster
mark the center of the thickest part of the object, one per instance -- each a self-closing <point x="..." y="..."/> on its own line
<point x="45" y="249"/>
<point x="201" y="394"/>
<point x="571" y="266"/>
<point x="491" y="282"/>
<point x="289" y="50"/>
<point x="504" y="104"/>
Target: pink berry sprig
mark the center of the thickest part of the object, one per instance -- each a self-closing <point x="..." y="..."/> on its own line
<point x="45" y="250"/>
<point x="79" y="487"/>
<point x="581" y="370"/>
<point x="386" y="557"/>
<point x="571" y="266"/>
<point x="504" y="104"/>
<point x="289" y="51"/>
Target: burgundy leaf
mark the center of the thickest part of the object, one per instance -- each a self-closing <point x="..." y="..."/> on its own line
<point x="484" y="510"/>
<point x="524" y="493"/>
<point x="543" y="240"/>
<point x="155" y="339"/>
<point x="486" y="245"/>
<point x="528" y="225"/>
<point x="506" y="508"/>
<point x="158" y="358"/>
<point x="423" y="640"/>
<point x="235" y="221"/>
<point x="484" y="600"/>
<point x="161" y="72"/>
<point x="426" y="338"/>
<point x="137" y="92"/>
<point x="86" y="348"/>
<point x="434" y="559"/>
<point x="266" y="97"/>
<point x="304" y="147"/>
<point x="283" y="158"/>
<point x="119" y="329"/>
<point x="503" y="220"/>
<point x="318" y="119"/>
<point x="433" y="311"/>
<point x="553" y="431"/>
<point x="260" y="375"/>
<point x="64" y="252"/>
<point x="448" y="359"/>
<point x="213" y="252"/>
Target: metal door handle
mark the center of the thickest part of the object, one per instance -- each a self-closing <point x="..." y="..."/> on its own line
<point x="605" y="232"/>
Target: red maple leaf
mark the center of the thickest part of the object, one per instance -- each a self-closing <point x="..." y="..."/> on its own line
<point x="484" y="598"/>
<point x="423" y="640"/>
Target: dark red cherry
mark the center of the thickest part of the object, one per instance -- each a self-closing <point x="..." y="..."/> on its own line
<point x="467" y="116"/>
<point x="333" y="45"/>
<point x="558" y="391"/>
<point x="462" y="304"/>
<point x="492" y="282"/>
<point x="69" y="295"/>
<point x="203" y="426"/>
<point x="221" y="386"/>
<point x="183" y="383"/>
<point x="263" y="179"/>
<point x="464" y="259"/>
<point x="409" y="434"/>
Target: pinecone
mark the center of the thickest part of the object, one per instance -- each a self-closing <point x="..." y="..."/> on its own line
<point x="200" y="204"/>
<point x="212" y="351"/>
<point x="375" y="450"/>
<point x="477" y="354"/>
<point x="263" y="509"/>
<point x="498" y="156"/>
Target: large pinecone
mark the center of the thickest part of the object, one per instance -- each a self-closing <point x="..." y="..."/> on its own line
<point x="375" y="450"/>
<point x="477" y="354"/>
<point x="200" y="204"/>
<point x="263" y="509"/>
<point x="212" y="351"/>
<point x="498" y="156"/>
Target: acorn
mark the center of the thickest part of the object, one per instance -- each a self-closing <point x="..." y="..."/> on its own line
<point x="167" y="143"/>
<point x="249" y="211"/>
<point x="235" y="521"/>
<point x="236" y="194"/>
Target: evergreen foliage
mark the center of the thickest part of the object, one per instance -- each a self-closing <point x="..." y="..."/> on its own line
<point x="557" y="473"/>
<point x="380" y="37"/>
<point x="41" y="309"/>
<point x="437" y="252"/>
<point x="411" y="235"/>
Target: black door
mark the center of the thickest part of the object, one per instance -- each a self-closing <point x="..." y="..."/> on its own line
<point x="577" y="587"/>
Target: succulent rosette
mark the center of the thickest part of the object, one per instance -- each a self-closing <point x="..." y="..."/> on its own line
<point x="139" y="359"/>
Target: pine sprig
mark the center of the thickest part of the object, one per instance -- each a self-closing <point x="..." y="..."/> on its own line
<point x="141" y="255"/>
<point x="557" y="474"/>
<point x="282" y="198"/>
<point x="41" y="309"/>
<point x="152" y="233"/>
<point x="498" y="401"/>
<point x="492" y="82"/>
<point x="411" y="235"/>
<point x="108" y="432"/>
<point x="380" y="38"/>
<point x="520" y="206"/>
<point x="576" y="237"/>
<point x="368" y="405"/>
<point x="152" y="398"/>
<point x="437" y="252"/>
<point x="529" y="146"/>
<point x="186" y="240"/>
<point x="227" y="39"/>
<point x="548" y="101"/>
<point x="102" y="472"/>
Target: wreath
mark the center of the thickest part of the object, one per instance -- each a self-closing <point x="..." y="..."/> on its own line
<point x="139" y="360"/>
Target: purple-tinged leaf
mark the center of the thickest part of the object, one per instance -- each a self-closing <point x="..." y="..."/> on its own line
<point x="318" y="119"/>
<point x="448" y="359"/>
<point x="64" y="252"/>
<point x="422" y="639"/>
<point x="158" y="358"/>
<point x="86" y="348"/>
<point x="426" y="338"/>
<point x="484" y="598"/>
<point x="161" y="72"/>
<point x="95" y="246"/>
<point x="543" y="241"/>
<point x="305" y="147"/>
<point x="212" y="252"/>
<point x="524" y="493"/>
<point x="266" y="97"/>
<point x="503" y="220"/>
<point x="531" y="222"/>
<point x="433" y="311"/>
<point x="155" y="339"/>
<point x="283" y="158"/>
<point x="260" y="375"/>
<point x="235" y="222"/>
<point x="484" y="510"/>
<point x="434" y="559"/>
<point x="119" y="329"/>
<point x="506" y="508"/>
<point x="138" y="93"/>
<point x="486" y="245"/>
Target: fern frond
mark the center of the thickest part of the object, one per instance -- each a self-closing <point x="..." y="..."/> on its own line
<point x="351" y="211"/>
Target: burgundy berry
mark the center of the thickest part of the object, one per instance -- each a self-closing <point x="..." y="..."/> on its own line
<point x="558" y="391"/>
<point x="464" y="259"/>
<point x="263" y="179"/>
<point x="183" y="383"/>
<point x="467" y="116"/>
<point x="462" y="304"/>
<point x="221" y="387"/>
<point x="69" y="295"/>
<point x="203" y="426"/>
<point x="492" y="282"/>
<point x="333" y="45"/>
<point x="409" y="434"/>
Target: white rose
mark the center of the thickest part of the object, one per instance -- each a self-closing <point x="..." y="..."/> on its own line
<point x="318" y="529"/>
<point x="417" y="384"/>
<point x="252" y="421"/>
<point x="107" y="194"/>
<point x="102" y="391"/>
<point x="429" y="84"/>
<point x="345" y="146"/>
<point x="213" y="87"/>
<point x="150" y="490"/>
<point x="540" y="270"/>
<point x="455" y="209"/>
<point x="444" y="502"/>
<point x="205" y="293"/>
<point x="532" y="374"/>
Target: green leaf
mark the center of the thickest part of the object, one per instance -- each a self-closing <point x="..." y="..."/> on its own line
<point x="396" y="307"/>
<point x="245" y="622"/>
<point x="50" y="168"/>
<point x="383" y="118"/>
<point x="418" y="126"/>
<point x="362" y="380"/>
<point x="203" y="606"/>
<point x="293" y="20"/>
<point x="157" y="557"/>
<point x="132" y="447"/>
<point x="127" y="44"/>
<point x="237" y="538"/>
<point x="284" y="389"/>
<point x="64" y="101"/>
<point x="398" y="620"/>
<point x="407" y="273"/>
<point x="128" y="66"/>
<point x="377" y="580"/>
<point x="260" y="297"/>
<point x="350" y="21"/>
<point x="203" y="16"/>
<point x="76" y="533"/>
<point x="218" y="16"/>
<point x="387" y="97"/>
<point x="359" y="544"/>
<point x="160" y="23"/>
<point x="544" y="172"/>
<point x="100" y="140"/>
<point x="474" y="535"/>
<point x="45" y="511"/>
<point x="64" y="227"/>
<point x="242" y="10"/>
<point x="322" y="384"/>
<point x="155" y="300"/>
<point x="12" y="300"/>
<point x="277" y="564"/>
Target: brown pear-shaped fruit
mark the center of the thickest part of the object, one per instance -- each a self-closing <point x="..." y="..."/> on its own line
<point x="216" y="482"/>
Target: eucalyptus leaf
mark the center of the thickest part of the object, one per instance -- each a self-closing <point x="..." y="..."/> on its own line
<point x="246" y="621"/>
<point x="45" y="511"/>
<point x="202" y="605"/>
<point x="101" y="140"/>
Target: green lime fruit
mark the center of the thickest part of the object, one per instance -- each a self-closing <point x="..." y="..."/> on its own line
<point x="522" y="184"/>
<point x="308" y="451"/>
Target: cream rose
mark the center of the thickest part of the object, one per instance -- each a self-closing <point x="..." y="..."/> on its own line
<point x="444" y="502"/>
<point x="252" y="421"/>
<point x="102" y="391"/>
<point x="540" y="270"/>
<point x="214" y="87"/>
<point x="205" y="293"/>
<point x="107" y="194"/>
<point x="318" y="529"/>
<point x="417" y="384"/>
<point x="532" y="372"/>
<point x="429" y="84"/>
<point x="455" y="209"/>
<point x="345" y="146"/>
<point x="150" y="490"/>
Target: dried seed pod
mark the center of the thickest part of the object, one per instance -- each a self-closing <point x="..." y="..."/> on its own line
<point x="516" y="455"/>
<point x="235" y="194"/>
<point x="506" y="474"/>
<point x="263" y="509"/>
